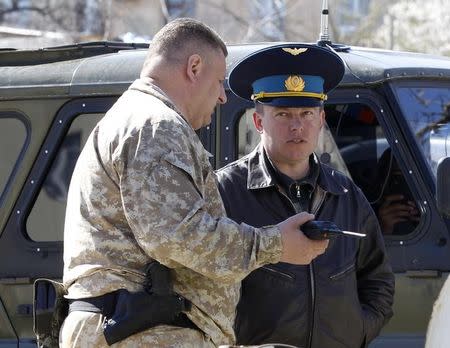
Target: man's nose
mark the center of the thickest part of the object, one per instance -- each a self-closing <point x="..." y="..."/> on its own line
<point x="296" y="123"/>
<point x="222" y="96"/>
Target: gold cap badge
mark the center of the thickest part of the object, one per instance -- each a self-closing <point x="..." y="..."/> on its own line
<point x="294" y="83"/>
<point x="294" y="51"/>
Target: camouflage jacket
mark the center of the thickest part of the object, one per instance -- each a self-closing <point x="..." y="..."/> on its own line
<point x="142" y="189"/>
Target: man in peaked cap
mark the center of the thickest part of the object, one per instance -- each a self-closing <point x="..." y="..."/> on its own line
<point x="344" y="297"/>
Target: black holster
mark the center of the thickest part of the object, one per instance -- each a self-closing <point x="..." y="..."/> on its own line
<point x="136" y="312"/>
<point x="128" y="313"/>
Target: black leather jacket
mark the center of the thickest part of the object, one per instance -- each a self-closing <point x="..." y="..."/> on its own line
<point x="344" y="297"/>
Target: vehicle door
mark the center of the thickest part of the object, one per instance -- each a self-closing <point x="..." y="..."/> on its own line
<point x="53" y="132"/>
<point x="14" y="139"/>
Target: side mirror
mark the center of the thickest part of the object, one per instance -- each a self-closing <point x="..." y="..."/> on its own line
<point x="443" y="186"/>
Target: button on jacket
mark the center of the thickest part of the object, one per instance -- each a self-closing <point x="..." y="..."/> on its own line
<point x="344" y="297"/>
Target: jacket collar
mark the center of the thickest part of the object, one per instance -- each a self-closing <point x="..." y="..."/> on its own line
<point x="261" y="176"/>
<point x="144" y="85"/>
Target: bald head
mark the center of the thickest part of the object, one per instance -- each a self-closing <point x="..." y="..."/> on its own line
<point x="180" y="39"/>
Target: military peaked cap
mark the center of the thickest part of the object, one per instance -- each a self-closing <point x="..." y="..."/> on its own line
<point x="287" y="75"/>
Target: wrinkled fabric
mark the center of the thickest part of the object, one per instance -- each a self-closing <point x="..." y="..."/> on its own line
<point x="143" y="189"/>
<point x="341" y="300"/>
<point x="163" y="336"/>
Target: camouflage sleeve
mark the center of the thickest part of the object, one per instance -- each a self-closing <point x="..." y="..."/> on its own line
<point x="173" y="214"/>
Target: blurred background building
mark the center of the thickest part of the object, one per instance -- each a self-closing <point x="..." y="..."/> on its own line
<point x="412" y="25"/>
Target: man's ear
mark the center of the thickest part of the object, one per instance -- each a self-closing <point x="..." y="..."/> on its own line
<point x="322" y="117"/>
<point x="194" y="66"/>
<point x="257" y="121"/>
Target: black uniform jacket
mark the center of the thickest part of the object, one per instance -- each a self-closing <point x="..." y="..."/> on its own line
<point x="344" y="297"/>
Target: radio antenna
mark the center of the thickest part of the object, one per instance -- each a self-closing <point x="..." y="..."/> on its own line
<point x="324" y="38"/>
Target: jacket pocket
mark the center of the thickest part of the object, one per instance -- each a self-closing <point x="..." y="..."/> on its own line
<point x="343" y="272"/>
<point x="277" y="273"/>
<point x="181" y="161"/>
<point x="186" y="165"/>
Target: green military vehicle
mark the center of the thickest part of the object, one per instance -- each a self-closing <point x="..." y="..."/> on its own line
<point x="388" y="103"/>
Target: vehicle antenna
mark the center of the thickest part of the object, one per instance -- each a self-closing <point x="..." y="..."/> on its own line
<point x="324" y="38"/>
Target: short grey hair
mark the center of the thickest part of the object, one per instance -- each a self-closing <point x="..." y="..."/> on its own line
<point x="180" y="37"/>
<point x="259" y="108"/>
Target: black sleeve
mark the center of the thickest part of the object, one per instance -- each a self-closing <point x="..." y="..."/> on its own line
<point x="376" y="282"/>
<point x="222" y="185"/>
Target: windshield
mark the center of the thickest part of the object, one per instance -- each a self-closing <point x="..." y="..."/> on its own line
<point x="427" y="111"/>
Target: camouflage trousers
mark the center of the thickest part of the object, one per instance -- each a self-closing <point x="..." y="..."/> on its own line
<point x="84" y="329"/>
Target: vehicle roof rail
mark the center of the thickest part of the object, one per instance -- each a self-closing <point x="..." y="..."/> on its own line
<point x="13" y="57"/>
<point x="106" y="44"/>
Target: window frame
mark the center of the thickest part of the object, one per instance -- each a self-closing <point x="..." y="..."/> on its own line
<point x="43" y="258"/>
<point x="405" y="126"/>
<point x="26" y="142"/>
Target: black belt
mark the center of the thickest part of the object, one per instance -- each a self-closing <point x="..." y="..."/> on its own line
<point x="105" y="304"/>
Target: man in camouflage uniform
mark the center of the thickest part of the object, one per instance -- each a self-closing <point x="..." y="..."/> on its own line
<point x="143" y="189"/>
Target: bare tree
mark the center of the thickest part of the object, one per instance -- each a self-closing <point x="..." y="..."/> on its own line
<point x="172" y="9"/>
<point x="262" y="20"/>
<point x="10" y="11"/>
<point x="409" y="25"/>
<point x="415" y="25"/>
<point x="396" y="24"/>
<point x="74" y="18"/>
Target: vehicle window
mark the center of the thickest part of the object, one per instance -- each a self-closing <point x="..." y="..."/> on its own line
<point x="427" y="110"/>
<point x="353" y="142"/>
<point x="13" y="134"/>
<point x="46" y="220"/>
<point x="373" y="166"/>
<point x="248" y="137"/>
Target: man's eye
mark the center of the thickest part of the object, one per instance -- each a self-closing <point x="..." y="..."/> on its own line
<point x="282" y="114"/>
<point x="309" y="115"/>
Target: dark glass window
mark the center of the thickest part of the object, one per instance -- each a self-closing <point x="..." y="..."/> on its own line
<point x="46" y="219"/>
<point x="13" y="134"/>
<point x="427" y="110"/>
<point x="372" y="165"/>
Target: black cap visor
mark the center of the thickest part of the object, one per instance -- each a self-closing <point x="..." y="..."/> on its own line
<point x="291" y="102"/>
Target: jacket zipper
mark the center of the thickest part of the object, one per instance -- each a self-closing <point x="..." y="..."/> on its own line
<point x="314" y="209"/>
<point x="342" y="273"/>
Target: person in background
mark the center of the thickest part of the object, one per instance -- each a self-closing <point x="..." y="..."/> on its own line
<point x="393" y="203"/>
<point x="142" y="191"/>
<point x="345" y="296"/>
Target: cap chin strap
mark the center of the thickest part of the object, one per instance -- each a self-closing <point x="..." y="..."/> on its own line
<point x="262" y="95"/>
